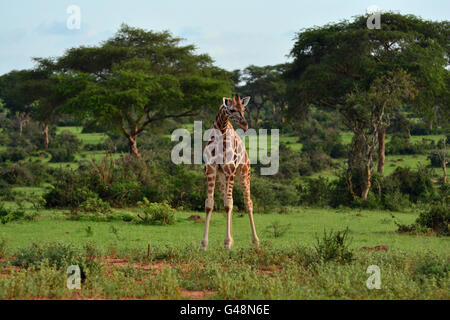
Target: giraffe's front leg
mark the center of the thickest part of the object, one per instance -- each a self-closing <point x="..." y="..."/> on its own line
<point x="209" y="203"/>
<point x="228" y="204"/>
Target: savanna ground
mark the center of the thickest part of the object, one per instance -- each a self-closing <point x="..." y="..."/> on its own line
<point x="301" y="256"/>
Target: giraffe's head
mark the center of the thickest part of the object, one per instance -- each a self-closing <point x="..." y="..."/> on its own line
<point x="235" y="109"/>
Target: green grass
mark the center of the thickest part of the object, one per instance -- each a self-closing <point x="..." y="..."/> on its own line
<point x="372" y="228"/>
<point x="286" y="267"/>
<point x="86" y="138"/>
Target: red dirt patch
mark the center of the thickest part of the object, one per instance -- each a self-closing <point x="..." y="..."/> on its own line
<point x="376" y="248"/>
<point x="196" y="295"/>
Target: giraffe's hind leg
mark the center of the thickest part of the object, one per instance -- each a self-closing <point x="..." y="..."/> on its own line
<point x="244" y="177"/>
<point x="211" y="172"/>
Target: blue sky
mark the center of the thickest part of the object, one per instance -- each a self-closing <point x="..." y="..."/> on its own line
<point x="235" y="33"/>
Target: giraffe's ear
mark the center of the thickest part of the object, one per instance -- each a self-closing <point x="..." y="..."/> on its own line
<point x="227" y="102"/>
<point x="245" y="101"/>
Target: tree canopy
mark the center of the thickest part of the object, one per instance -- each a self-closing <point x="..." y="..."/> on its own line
<point x="141" y="77"/>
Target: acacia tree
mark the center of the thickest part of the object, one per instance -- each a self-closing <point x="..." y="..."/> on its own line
<point x="337" y="61"/>
<point x="16" y="100"/>
<point x="32" y="94"/>
<point x="267" y="87"/>
<point x="368" y="113"/>
<point x="138" y="78"/>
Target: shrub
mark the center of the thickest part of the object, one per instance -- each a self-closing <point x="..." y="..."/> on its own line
<point x="13" y="154"/>
<point x="314" y="192"/>
<point x="281" y="194"/>
<point x="95" y="205"/>
<point x="156" y="213"/>
<point x="56" y="255"/>
<point x="70" y="189"/>
<point x="394" y="201"/>
<point x="435" y="159"/>
<point x="61" y="155"/>
<point x="3" y="248"/>
<point x="277" y="230"/>
<point x="334" y="246"/>
<point x="9" y="215"/>
<point x="68" y="141"/>
<point x="16" y="174"/>
<point x="430" y="267"/>
<point x="436" y="218"/>
<point x="417" y="184"/>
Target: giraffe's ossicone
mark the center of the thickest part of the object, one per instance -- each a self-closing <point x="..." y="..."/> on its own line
<point x="226" y="158"/>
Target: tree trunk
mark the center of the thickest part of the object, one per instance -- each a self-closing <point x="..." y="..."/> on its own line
<point x="366" y="185"/>
<point x="444" y="167"/>
<point x="46" y="137"/>
<point x="258" y="113"/>
<point x="249" y="119"/>
<point x="20" y="128"/>
<point x="133" y="148"/>
<point x="381" y="149"/>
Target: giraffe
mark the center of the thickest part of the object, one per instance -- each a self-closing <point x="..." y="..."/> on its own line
<point x="231" y="162"/>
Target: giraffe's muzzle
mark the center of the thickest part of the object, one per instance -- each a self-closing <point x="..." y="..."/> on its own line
<point x="244" y="125"/>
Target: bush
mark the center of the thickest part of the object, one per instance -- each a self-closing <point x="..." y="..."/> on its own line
<point x="66" y="140"/>
<point x="334" y="246"/>
<point x="95" y="205"/>
<point x="436" y="218"/>
<point x="61" y="155"/>
<point x="315" y="192"/>
<point x="430" y="267"/>
<point x="435" y="159"/>
<point x="16" y="174"/>
<point x="9" y="215"/>
<point x="156" y="213"/>
<point x="70" y="189"/>
<point x="3" y="248"/>
<point x="416" y="184"/>
<point x="277" y="230"/>
<point x="281" y="194"/>
<point x="13" y="154"/>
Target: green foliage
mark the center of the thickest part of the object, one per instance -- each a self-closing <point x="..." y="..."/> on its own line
<point x="70" y="189"/>
<point x="334" y="246"/>
<point x="10" y="215"/>
<point x="61" y="155"/>
<point x="57" y="254"/>
<point x="277" y="230"/>
<point x="147" y="77"/>
<point x="64" y="147"/>
<point x="67" y="140"/>
<point x="95" y="205"/>
<point x="315" y="192"/>
<point x="3" y="248"/>
<point x="431" y="267"/>
<point x="417" y="184"/>
<point x="155" y="213"/>
<point x="437" y="218"/>
<point x="281" y="194"/>
<point x="13" y="154"/>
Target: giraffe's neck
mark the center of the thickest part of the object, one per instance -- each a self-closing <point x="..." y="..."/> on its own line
<point x="221" y="123"/>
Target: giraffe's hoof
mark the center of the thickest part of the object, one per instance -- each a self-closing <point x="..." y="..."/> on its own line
<point x="204" y="245"/>
<point x="229" y="243"/>
<point x="256" y="243"/>
<point x="202" y="248"/>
